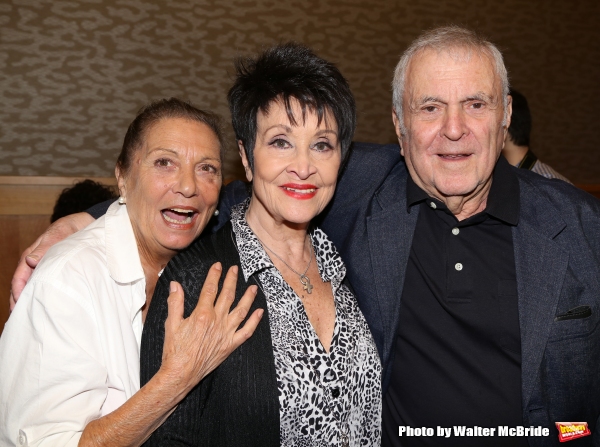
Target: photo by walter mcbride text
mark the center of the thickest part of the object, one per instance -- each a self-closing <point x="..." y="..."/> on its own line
<point x="475" y="431"/>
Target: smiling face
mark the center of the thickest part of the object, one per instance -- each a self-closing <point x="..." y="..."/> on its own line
<point x="453" y="113"/>
<point x="295" y="165"/>
<point x="172" y="186"/>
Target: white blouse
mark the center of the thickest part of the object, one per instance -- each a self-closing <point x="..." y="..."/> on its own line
<point x="70" y="350"/>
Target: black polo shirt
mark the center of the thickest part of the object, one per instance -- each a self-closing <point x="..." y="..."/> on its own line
<point x="457" y="354"/>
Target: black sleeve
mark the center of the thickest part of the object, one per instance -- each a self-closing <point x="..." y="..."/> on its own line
<point x="99" y="209"/>
<point x="238" y="402"/>
<point x="176" y="430"/>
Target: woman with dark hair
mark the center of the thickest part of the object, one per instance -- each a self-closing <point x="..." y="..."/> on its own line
<point x="69" y="353"/>
<point x="310" y="375"/>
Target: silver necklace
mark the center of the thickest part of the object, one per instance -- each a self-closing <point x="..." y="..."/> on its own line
<point x="304" y="280"/>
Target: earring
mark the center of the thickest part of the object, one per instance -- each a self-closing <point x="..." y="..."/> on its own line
<point x="216" y="212"/>
<point x="122" y="200"/>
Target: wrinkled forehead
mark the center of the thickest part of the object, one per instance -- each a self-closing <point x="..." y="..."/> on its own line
<point x="468" y="66"/>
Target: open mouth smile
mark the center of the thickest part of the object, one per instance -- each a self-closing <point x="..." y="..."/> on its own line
<point x="298" y="191"/>
<point x="179" y="216"/>
<point x="301" y="191"/>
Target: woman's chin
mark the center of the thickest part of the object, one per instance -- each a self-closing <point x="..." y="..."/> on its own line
<point x="178" y="240"/>
<point x="300" y="217"/>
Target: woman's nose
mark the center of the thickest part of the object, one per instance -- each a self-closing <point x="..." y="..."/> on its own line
<point x="302" y="165"/>
<point x="186" y="182"/>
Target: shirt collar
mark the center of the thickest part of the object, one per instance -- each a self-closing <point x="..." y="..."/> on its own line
<point x="122" y="255"/>
<point x="503" y="200"/>
<point x="254" y="258"/>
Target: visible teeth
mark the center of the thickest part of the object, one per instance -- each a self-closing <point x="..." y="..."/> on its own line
<point x="301" y="191"/>
<point x="187" y="220"/>
<point x="179" y="210"/>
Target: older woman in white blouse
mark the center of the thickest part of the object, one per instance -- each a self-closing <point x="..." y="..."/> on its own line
<point x="69" y="353"/>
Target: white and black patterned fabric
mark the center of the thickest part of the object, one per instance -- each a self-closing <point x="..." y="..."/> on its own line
<point x="322" y="396"/>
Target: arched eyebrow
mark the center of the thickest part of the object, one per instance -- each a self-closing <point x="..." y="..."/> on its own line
<point x="327" y="131"/>
<point x="283" y="127"/>
<point x="288" y="129"/>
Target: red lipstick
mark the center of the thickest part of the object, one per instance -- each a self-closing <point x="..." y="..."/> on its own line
<point x="299" y="191"/>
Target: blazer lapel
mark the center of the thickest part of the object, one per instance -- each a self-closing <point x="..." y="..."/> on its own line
<point x="541" y="265"/>
<point x="390" y="233"/>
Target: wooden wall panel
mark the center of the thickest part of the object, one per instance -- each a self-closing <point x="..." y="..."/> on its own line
<point x="26" y="204"/>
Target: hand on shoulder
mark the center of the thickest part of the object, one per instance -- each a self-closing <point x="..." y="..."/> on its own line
<point x="32" y="255"/>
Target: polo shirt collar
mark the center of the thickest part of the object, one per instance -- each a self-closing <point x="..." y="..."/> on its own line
<point x="503" y="201"/>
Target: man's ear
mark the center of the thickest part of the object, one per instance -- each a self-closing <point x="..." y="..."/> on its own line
<point x="120" y="182"/>
<point x="508" y="114"/>
<point x="245" y="160"/>
<point x="396" y="121"/>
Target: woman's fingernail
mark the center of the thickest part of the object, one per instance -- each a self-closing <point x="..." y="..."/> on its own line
<point x="173" y="286"/>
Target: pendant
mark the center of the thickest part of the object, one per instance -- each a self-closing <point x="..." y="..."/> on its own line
<point x="345" y="440"/>
<point x="306" y="285"/>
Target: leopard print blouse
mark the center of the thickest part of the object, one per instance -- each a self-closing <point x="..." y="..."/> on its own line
<point x="324" y="398"/>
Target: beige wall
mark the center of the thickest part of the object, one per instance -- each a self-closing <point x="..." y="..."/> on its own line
<point x="73" y="73"/>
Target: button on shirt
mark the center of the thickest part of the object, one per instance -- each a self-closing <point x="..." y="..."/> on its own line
<point x="69" y="352"/>
<point x="457" y="355"/>
<point x="322" y="396"/>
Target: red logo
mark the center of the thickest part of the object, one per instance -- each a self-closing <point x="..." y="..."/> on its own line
<point x="568" y="431"/>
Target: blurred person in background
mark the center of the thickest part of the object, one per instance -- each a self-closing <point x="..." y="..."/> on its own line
<point x="81" y="196"/>
<point x="516" y="144"/>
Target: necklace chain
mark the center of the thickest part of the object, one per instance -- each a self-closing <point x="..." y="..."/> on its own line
<point x="304" y="280"/>
<point x="342" y="425"/>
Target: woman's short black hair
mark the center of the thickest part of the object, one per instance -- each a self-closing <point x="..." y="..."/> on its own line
<point x="285" y="72"/>
<point x="156" y="111"/>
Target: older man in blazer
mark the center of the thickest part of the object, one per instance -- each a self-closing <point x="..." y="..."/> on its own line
<point x="480" y="282"/>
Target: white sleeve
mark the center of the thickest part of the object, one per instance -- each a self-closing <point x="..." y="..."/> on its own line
<point x="52" y="377"/>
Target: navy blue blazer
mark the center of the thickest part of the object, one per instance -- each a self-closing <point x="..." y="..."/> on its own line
<point x="557" y="258"/>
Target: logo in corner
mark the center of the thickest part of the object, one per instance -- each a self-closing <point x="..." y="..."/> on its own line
<point x="567" y="431"/>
